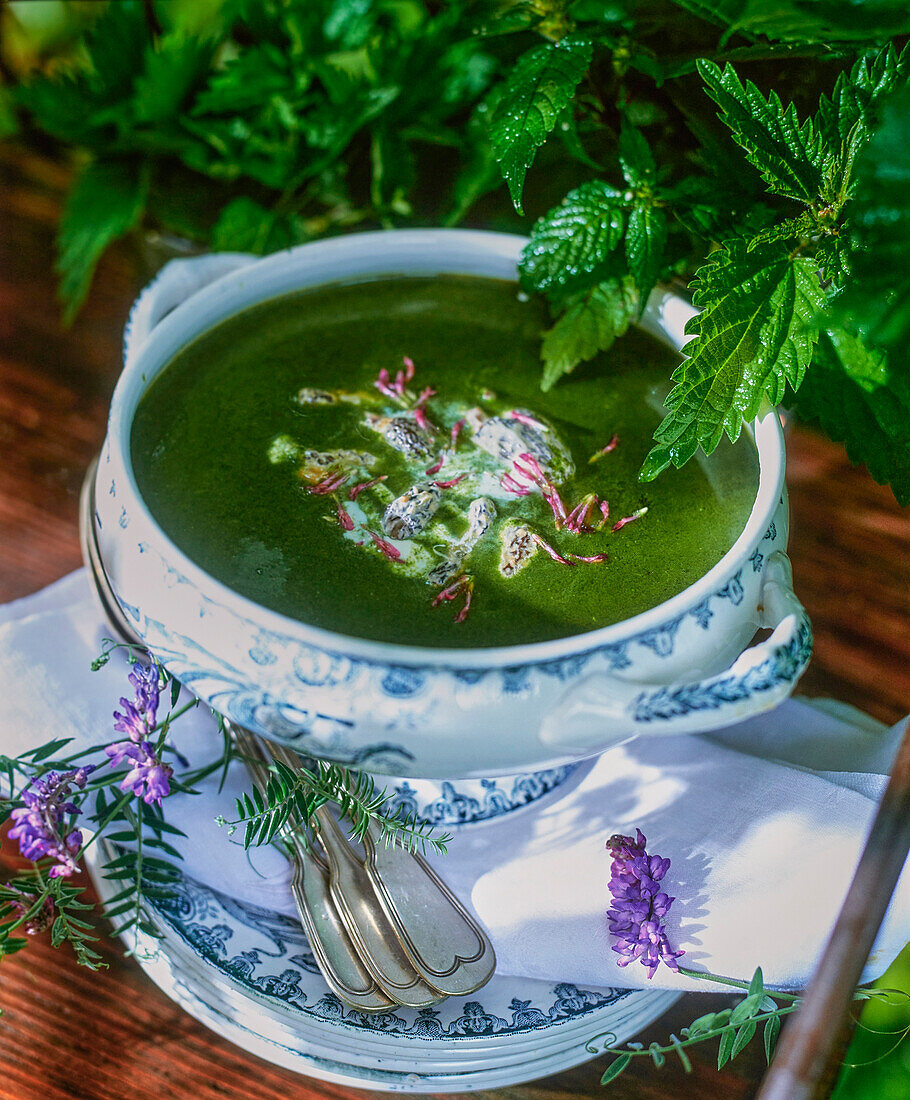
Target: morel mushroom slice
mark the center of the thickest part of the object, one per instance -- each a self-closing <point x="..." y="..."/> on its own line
<point x="475" y="419"/>
<point x="518" y="547"/>
<point x="402" y="433"/>
<point x="315" y="465"/>
<point x="508" y="437"/>
<point x="310" y="396"/>
<point x="447" y="569"/>
<point x="408" y="514"/>
<point x="481" y="513"/>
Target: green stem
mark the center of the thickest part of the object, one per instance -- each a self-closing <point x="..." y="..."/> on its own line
<point x="735" y="983"/>
<point x="686" y="65"/>
<point x="102" y="825"/>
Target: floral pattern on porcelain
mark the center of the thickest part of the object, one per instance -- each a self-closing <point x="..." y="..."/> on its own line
<point x="463" y="802"/>
<point x="289" y="690"/>
<point x="384" y="708"/>
<point x="779" y="668"/>
<point x="267" y="954"/>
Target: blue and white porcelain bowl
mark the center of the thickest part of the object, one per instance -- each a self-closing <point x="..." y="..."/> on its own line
<point x="249" y="974"/>
<point x="683" y="666"/>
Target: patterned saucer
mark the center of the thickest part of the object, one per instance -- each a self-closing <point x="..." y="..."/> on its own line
<point x="449" y="803"/>
<point x="248" y="973"/>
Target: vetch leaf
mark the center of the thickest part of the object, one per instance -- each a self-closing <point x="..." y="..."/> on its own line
<point x="754" y="336"/>
<point x="786" y="152"/>
<point x="615" y="1068"/>
<point x="726" y="1048"/>
<point x="746" y="1008"/>
<point x="702" y="1024"/>
<point x="592" y="320"/>
<point x="743" y="1038"/>
<point x="533" y="97"/>
<point x="772" y="1030"/>
<point x="859" y="399"/>
<point x="575" y="237"/>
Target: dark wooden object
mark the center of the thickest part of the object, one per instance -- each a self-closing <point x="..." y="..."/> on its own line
<point x="66" y="1034"/>
<point x="805" y="1063"/>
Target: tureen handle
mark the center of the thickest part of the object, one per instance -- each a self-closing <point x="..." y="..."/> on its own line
<point x="174" y="283"/>
<point x="601" y="710"/>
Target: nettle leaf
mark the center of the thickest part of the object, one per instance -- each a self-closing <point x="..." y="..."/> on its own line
<point x="115" y="45"/>
<point x="575" y="237"/>
<point x="590" y="322"/>
<point x="63" y="106"/>
<point x="755" y="335"/>
<point x="646" y="239"/>
<point x="856" y="94"/>
<point x="877" y="292"/>
<point x="105" y="202"/>
<point x="172" y="68"/>
<point x="246" y="226"/>
<point x="635" y="157"/>
<point x="811" y="22"/>
<point x="534" y="95"/>
<point x="859" y="399"/>
<point x="787" y="153"/>
<point x="245" y="82"/>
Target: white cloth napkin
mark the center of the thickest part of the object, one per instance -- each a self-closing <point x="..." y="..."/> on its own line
<point x="763" y="822"/>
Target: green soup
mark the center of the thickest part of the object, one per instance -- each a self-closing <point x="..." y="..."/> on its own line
<point x="250" y="445"/>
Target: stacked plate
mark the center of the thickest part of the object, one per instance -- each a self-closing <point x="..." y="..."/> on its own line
<point x="248" y="973"/>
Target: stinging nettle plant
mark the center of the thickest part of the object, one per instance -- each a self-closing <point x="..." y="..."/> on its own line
<point x="802" y="282"/>
<point x="759" y="157"/>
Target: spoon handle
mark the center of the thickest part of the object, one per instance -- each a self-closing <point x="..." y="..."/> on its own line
<point x="444" y="942"/>
<point x="374" y="934"/>
<point x="341" y="965"/>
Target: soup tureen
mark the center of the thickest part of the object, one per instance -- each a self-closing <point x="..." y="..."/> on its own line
<point x="681" y="667"/>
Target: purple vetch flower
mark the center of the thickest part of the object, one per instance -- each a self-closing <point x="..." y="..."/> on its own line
<point x="149" y="778"/>
<point x="38" y="825"/>
<point x="639" y="904"/>
<point x="139" y="714"/>
<point x="462" y="586"/>
<point x="620" y="523"/>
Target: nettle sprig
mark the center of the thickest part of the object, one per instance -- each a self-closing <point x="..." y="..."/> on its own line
<point x="793" y="240"/>
<point x="709" y="144"/>
<point x="60" y="803"/>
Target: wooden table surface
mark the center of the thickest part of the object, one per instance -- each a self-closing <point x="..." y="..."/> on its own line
<point x="67" y="1034"/>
